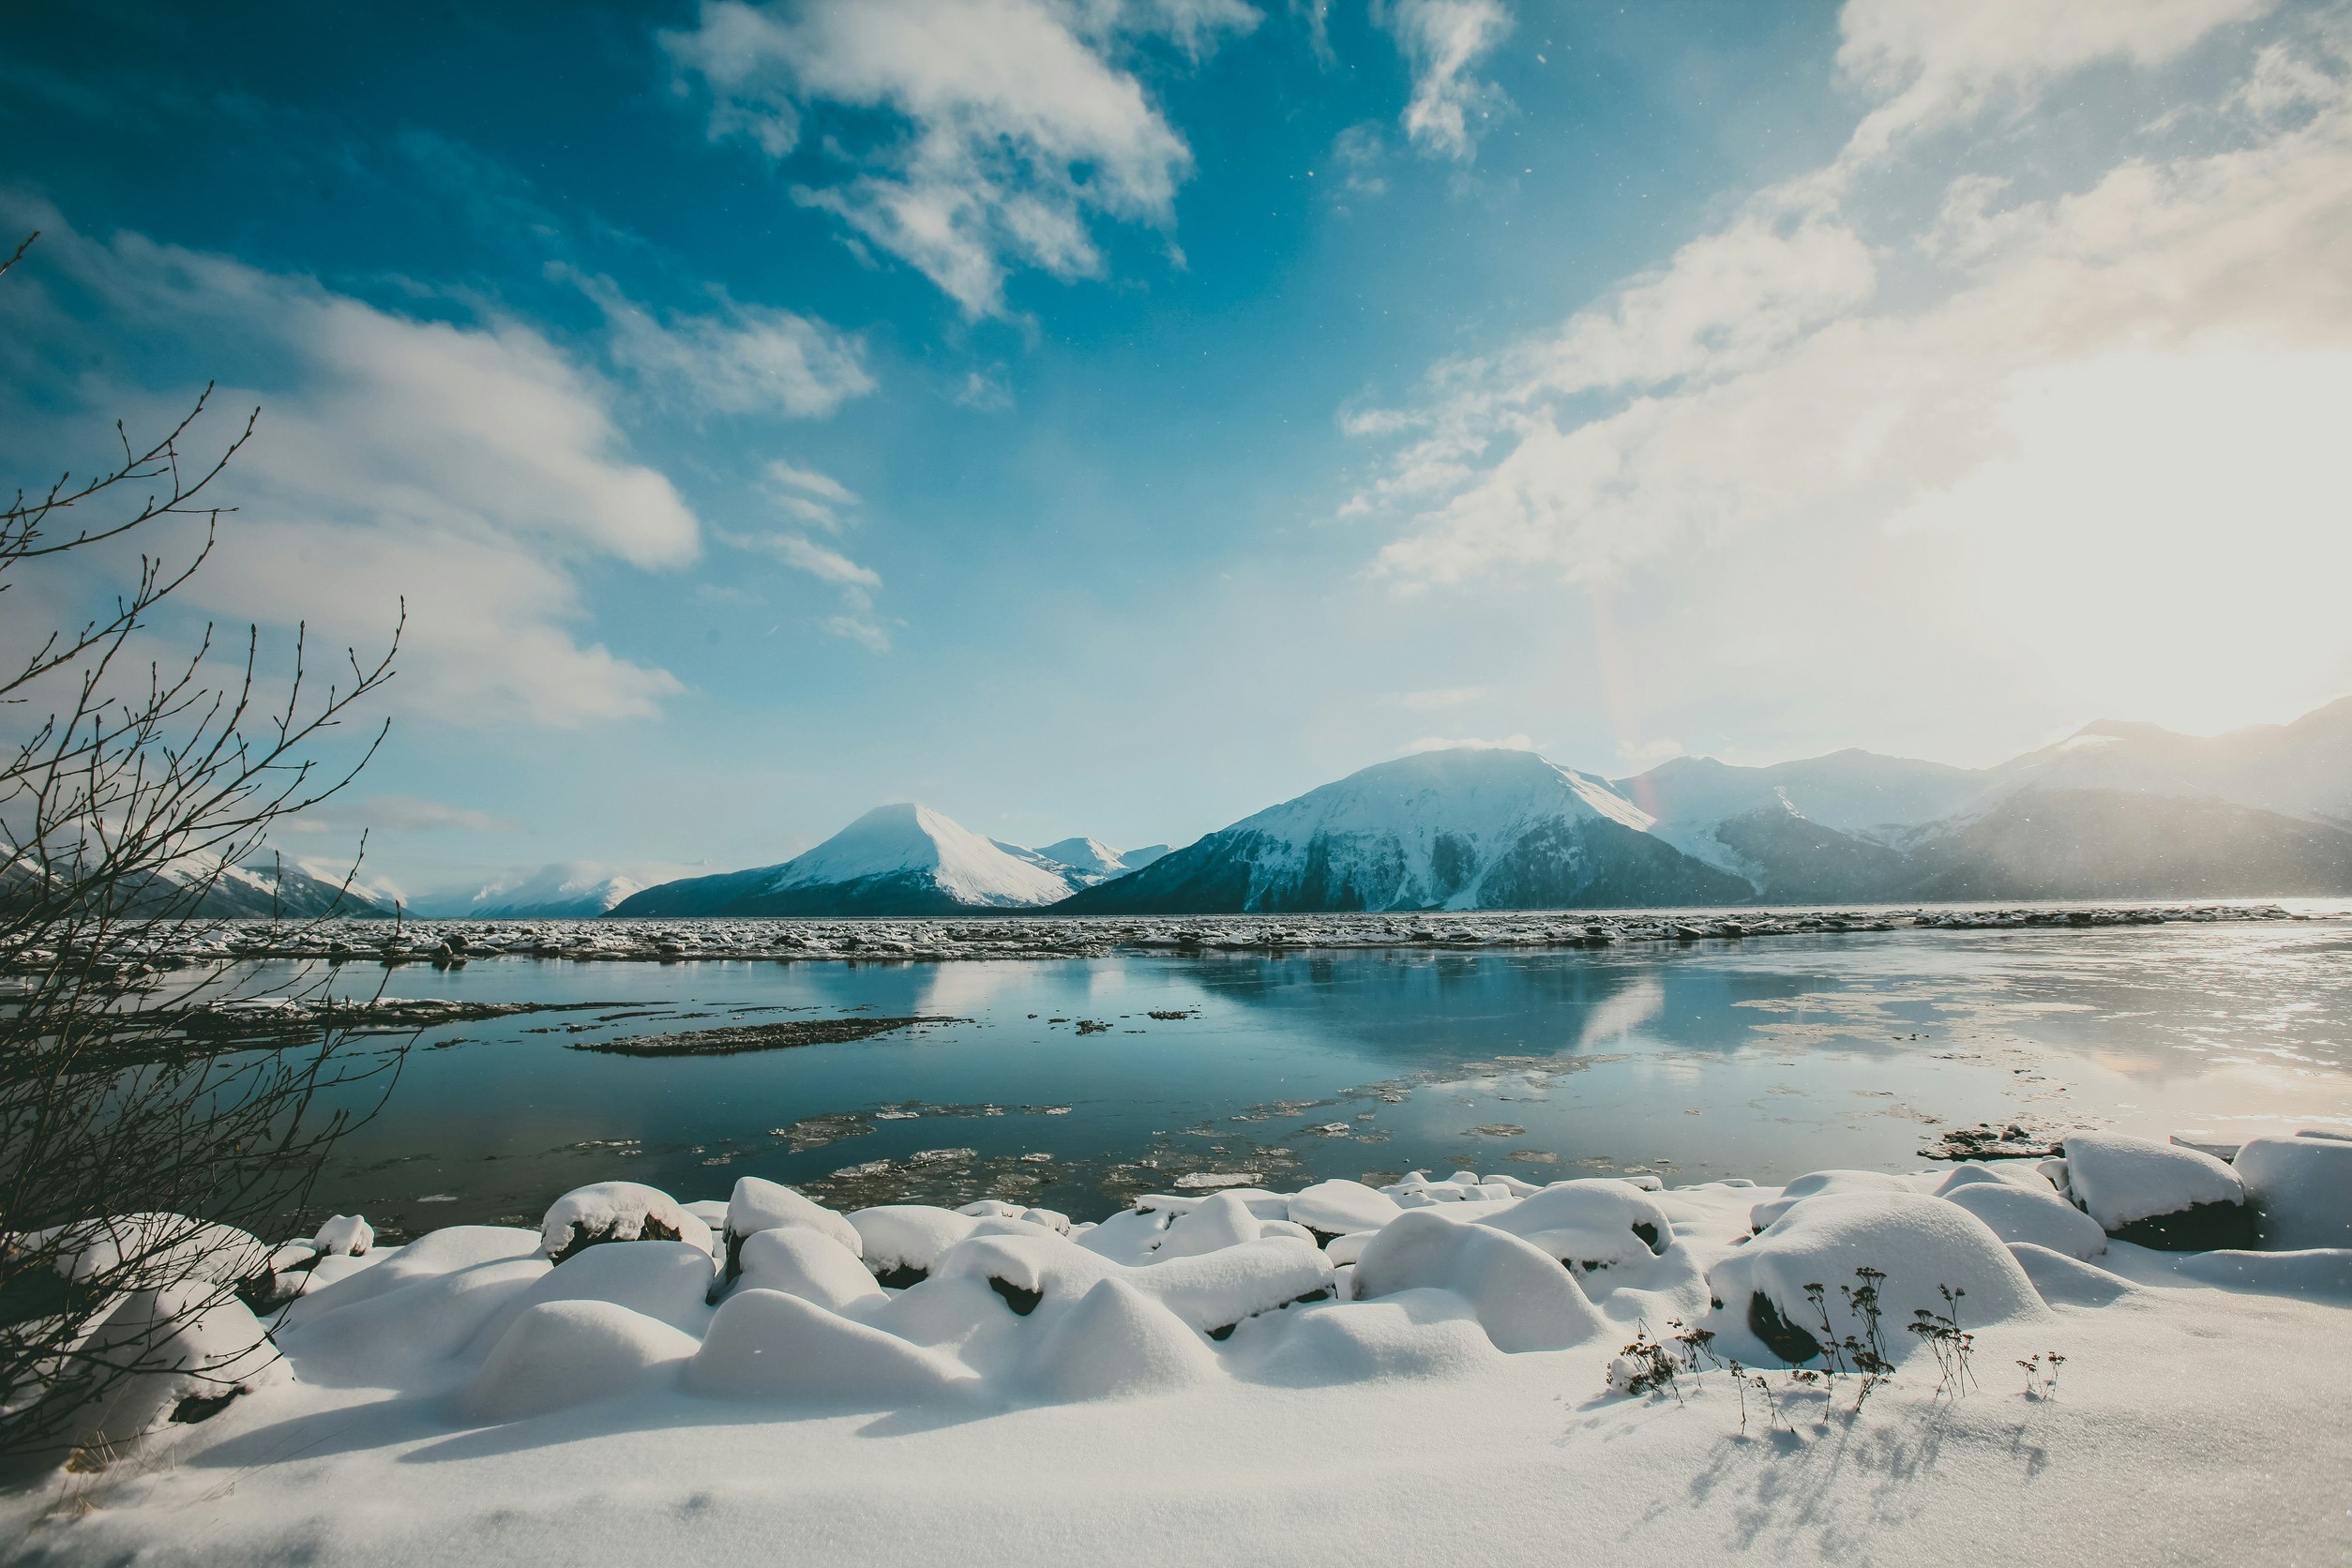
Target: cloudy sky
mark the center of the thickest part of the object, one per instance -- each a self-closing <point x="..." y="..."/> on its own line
<point x="1111" y="416"/>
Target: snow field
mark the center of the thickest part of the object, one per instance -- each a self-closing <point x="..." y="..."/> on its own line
<point x="1196" y="1379"/>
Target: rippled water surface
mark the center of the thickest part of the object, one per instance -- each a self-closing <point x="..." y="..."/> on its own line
<point x="1763" y="1059"/>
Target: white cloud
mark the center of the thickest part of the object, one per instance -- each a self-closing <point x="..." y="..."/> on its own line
<point x="986" y="390"/>
<point x="736" y="358"/>
<point x="857" y="583"/>
<point x="1933" y="62"/>
<point x="806" y="555"/>
<point x="2078" y="453"/>
<point x="1442" y="743"/>
<point x="861" y="629"/>
<point x="1443" y="41"/>
<point x="391" y="813"/>
<point x="786" y="477"/>
<point x="469" y="468"/>
<point x="1016" y="128"/>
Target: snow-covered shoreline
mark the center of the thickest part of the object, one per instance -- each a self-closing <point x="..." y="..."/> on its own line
<point x="1405" y="1375"/>
<point x="788" y="940"/>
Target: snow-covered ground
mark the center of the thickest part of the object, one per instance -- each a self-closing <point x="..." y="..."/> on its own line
<point x="1426" y="1373"/>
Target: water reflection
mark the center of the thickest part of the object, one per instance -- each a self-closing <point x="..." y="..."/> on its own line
<point x="1715" y="1059"/>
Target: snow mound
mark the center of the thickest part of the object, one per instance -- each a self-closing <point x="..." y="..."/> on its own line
<point x="2043" y="1220"/>
<point x="2064" y="1281"/>
<point x="152" y="1251"/>
<point x="768" y="1345"/>
<point x="1521" y="1296"/>
<point x="2158" y="1195"/>
<point x="1592" y="1224"/>
<point x="1921" y="1246"/>
<point x="617" y="1212"/>
<point x="2302" y="1188"/>
<point x="810" y="1264"/>
<point x="382" y="1338"/>
<point x="2325" y="1272"/>
<point x="196" y="1348"/>
<point x="996" y="1208"/>
<point x="1336" y="1208"/>
<point x="561" y="1353"/>
<point x="1224" y="1220"/>
<point x="907" y="1238"/>
<point x="759" y="1205"/>
<point x="1118" y="1343"/>
<point x="1821" y="1183"/>
<point x="667" y="1281"/>
<point x="2013" y="1173"/>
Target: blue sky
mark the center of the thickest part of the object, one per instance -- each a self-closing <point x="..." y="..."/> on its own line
<point x="1110" y="416"/>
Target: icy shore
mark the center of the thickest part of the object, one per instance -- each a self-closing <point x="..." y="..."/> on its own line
<point x="457" y="941"/>
<point x="1470" y="1369"/>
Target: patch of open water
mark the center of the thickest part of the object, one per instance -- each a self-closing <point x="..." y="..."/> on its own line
<point x="1764" y="1059"/>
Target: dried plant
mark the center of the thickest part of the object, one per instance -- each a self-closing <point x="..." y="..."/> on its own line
<point x="133" y="1155"/>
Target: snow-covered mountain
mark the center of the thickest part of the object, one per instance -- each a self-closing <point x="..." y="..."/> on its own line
<point x="2301" y="770"/>
<point x="1458" y="829"/>
<point x="2114" y="809"/>
<point x="565" y="889"/>
<point x="200" y="886"/>
<point x="1089" y="861"/>
<point x="895" y="860"/>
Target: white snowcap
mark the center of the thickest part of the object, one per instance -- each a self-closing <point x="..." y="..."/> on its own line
<point x="891" y="839"/>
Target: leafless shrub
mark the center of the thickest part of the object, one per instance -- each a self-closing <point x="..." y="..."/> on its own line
<point x="132" y="1161"/>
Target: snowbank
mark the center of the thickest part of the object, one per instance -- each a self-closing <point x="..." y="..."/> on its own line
<point x="1196" y="1379"/>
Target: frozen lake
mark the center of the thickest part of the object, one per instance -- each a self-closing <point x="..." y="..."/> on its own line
<point x="1757" y="1059"/>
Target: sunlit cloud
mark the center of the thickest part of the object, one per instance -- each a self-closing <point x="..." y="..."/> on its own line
<point x="1014" y="129"/>
<point x="2084" y="421"/>
<point x="469" y="468"/>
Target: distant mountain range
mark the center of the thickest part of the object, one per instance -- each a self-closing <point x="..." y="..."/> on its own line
<point x="201" y="886"/>
<point x="899" y="860"/>
<point x="2116" y="811"/>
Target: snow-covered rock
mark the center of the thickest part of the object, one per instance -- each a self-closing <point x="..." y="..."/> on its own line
<point x="1337" y="1208"/>
<point x="617" y="1212"/>
<point x="194" y="1347"/>
<point x="808" y="1263"/>
<point x="344" y="1236"/>
<point x="151" y="1251"/>
<point x="1921" y="1246"/>
<point x="2017" y="1213"/>
<point x="760" y="1205"/>
<point x="1593" y="1223"/>
<point x="897" y="1238"/>
<point x="2160" y="1195"/>
<point x="1521" y="1296"/>
<point x="2301" y="1186"/>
